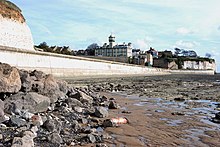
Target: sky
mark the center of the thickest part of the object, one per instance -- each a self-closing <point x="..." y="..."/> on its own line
<point x="161" y="24"/>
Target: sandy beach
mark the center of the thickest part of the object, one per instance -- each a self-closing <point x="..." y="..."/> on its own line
<point x="174" y="110"/>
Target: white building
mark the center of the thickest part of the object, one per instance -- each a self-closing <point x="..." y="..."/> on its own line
<point x="202" y="65"/>
<point x="113" y="50"/>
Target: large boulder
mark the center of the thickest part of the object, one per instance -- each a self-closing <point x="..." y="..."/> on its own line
<point x="26" y="81"/>
<point x="101" y="112"/>
<point x="52" y="88"/>
<point x="31" y="102"/>
<point x="50" y="84"/>
<point x="47" y="85"/>
<point x="55" y="139"/>
<point x="63" y="86"/>
<point x="37" y="74"/>
<point x="73" y="102"/>
<point x="81" y="96"/>
<point x="26" y="141"/>
<point x="52" y="125"/>
<point x="17" y="121"/>
<point x="113" y="105"/>
<point x="9" y="79"/>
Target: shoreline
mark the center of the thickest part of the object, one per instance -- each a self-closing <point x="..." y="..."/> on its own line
<point x="168" y="110"/>
<point x="151" y="124"/>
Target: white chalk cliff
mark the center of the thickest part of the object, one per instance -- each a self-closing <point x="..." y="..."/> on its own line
<point x="14" y="32"/>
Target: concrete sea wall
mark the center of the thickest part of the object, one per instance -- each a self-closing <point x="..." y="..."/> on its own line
<point x="193" y="72"/>
<point x="70" y="66"/>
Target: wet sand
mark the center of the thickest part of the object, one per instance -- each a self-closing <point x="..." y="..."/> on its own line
<point x="151" y="124"/>
<point x="155" y="118"/>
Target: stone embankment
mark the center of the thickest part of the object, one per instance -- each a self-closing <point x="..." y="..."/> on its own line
<point x="64" y="66"/>
<point x="38" y="110"/>
<point x="71" y="66"/>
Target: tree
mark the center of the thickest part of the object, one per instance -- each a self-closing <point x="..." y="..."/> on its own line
<point x="185" y="53"/>
<point x="91" y="49"/>
<point x="192" y="53"/>
<point x="208" y="55"/>
<point x="43" y="45"/>
<point x="177" y="51"/>
<point x="93" y="46"/>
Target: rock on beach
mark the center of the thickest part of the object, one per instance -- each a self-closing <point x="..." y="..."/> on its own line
<point x="9" y="79"/>
<point x="31" y="102"/>
<point x="44" y="111"/>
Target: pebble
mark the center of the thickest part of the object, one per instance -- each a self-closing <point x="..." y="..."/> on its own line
<point x="34" y="129"/>
<point x="217" y="115"/>
<point x="49" y="125"/>
<point x="15" y="120"/>
<point x="91" y="138"/>
<point x="55" y="138"/>
<point x="72" y="144"/>
<point x="84" y="121"/>
<point x="217" y="109"/>
<point x="177" y="113"/>
<point x="78" y="109"/>
<point x="125" y="111"/>
<point x="6" y="118"/>
<point x="101" y="112"/>
<point x="3" y="126"/>
<point x="113" y="105"/>
<point x="108" y="123"/>
<point x="27" y="115"/>
<point x="179" y="99"/>
<point x="36" y="120"/>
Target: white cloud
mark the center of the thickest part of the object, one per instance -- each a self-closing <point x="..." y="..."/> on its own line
<point x="215" y="53"/>
<point x="143" y="44"/>
<point x="219" y="28"/>
<point x="186" y="44"/>
<point x="184" y="31"/>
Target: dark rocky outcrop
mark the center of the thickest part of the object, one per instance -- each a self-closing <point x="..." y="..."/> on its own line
<point x="38" y="110"/>
<point x="31" y="102"/>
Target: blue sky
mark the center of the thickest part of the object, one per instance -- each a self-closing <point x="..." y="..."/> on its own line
<point x="161" y="24"/>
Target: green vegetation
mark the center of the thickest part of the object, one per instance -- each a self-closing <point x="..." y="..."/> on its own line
<point x="185" y="56"/>
<point x="170" y="59"/>
<point x="90" y="51"/>
<point x="199" y="59"/>
<point x="179" y="60"/>
<point x="54" y="49"/>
